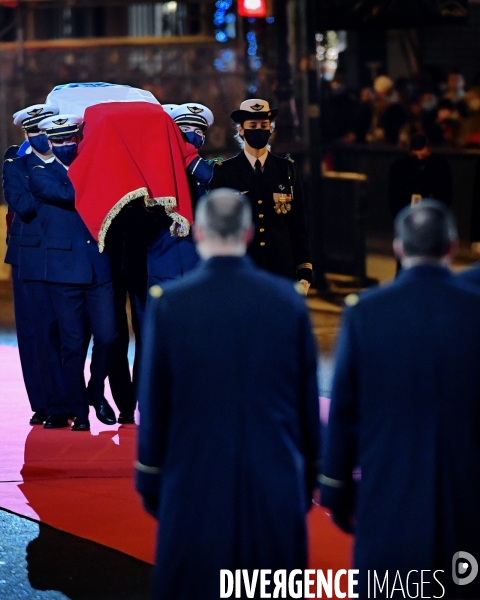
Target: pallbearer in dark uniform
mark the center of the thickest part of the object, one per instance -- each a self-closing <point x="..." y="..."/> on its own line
<point x="79" y="276"/>
<point x="37" y="327"/>
<point x="144" y="252"/>
<point x="127" y="243"/>
<point x="171" y="257"/>
<point x="119" y="376"/>
<point x="194" y="120"/>
<point x="273" y="185"/>
<point x="167" y="257"/>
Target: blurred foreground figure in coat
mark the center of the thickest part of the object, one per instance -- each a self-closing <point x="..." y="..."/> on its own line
<point x="229" y="430"/>
<point x="405" y="409"/>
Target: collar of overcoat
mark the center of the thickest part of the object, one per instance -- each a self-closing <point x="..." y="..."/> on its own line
<point x="424" y="271"/>
<point x="229" y="263"/>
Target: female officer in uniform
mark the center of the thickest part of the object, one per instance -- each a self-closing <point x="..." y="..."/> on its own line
<point x="272" y="183"/>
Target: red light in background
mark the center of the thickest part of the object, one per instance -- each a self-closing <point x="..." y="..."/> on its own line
<point x="252" y="8"/>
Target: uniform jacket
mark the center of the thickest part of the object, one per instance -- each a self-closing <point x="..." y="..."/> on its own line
<point x="26" y="242"/>
<point x="72" y="253"/>
<point x="170" y="257"/>
<point x="406" y="409"/>
<point x="281" y="243"/>
<point x="229" y="415"/>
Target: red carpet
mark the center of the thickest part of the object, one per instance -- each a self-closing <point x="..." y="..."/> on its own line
<point x="82" y="483"/>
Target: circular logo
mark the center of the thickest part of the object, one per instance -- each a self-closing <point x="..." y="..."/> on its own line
<point x="464" y="568"/>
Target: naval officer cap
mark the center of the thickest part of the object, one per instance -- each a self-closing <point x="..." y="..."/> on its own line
<point x="254" y="109"/>
<point x="169" y="108"/>
<point x="61" y="126"/>
<point x="30" y="117"/>
<point x="193" y="114"/>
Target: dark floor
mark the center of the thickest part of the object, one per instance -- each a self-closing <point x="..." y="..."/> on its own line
<point x="37" y="561"/>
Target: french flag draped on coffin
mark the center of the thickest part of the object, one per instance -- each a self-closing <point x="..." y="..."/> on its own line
<point x="131" y="149"/>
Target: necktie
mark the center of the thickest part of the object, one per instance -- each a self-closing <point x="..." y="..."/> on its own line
<point x="258" y="168"/>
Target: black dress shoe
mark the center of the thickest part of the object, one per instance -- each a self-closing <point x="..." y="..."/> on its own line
<point x="39" y="417"/>
<point x="56" y="422"/>
<point x="126" y="418"/>
<point x="80" y="425"/>
<point x="104" y="412"/>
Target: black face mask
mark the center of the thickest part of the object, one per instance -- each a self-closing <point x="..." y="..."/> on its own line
<point x="256" y="138"/>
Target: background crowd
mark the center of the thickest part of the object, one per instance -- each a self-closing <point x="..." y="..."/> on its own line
<point x="442" y="107"/>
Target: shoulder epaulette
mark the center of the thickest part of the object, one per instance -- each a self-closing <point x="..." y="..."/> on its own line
<point x="9" y="160"/>
<point x="215" y="161"/>
<point x="38" y="167"/>
<point x="299" y="288"/>
<point x="11" y="152"/>
<point x="352" y="299"/>
<point x="155" y="291"/>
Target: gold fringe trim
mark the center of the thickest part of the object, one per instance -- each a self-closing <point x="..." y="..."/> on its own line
<point x="180" y="226"/>
<point x="114" y="211"/>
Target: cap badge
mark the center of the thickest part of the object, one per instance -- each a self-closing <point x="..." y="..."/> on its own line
<point x="195" y="109"/>
<point x="257" y="106"/>
<point x="35" y="112"/>
<point x="60" y="121"/>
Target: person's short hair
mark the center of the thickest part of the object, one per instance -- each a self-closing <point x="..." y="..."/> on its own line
<point x="426" y="229"/>
<point x="419" y="142"/>
<point x="224" y="214"/>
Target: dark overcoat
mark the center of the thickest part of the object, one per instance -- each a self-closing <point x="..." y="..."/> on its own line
<point x="406" y="409"/>
<point x="229" y="415"/>
<point x="280" y="244"/>
<point x="470" y="277"/>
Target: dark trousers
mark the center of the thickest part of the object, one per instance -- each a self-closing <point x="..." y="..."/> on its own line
<point x="27" y="344"/>
<point x="84" y="310"/>
<point x="47" y="333"/>
<point x="119" y="372"/>
<point x="136" y="278"/>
